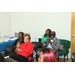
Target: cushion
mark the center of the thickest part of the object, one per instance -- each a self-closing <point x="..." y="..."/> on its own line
<point x="61" y="47"/>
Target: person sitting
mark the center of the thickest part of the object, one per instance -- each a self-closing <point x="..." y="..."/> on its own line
<point x="23" y="50"/>
<point x="19" y="40"/>
<point x="46" y="36"/>
<point x="47" y="55"/>
<point x="53" y="43"/>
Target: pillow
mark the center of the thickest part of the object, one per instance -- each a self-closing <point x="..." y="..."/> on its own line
<point x="61" y="47"/>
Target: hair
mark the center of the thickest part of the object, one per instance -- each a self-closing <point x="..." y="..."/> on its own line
<point x="49" y="33"/>
<point x="22" y="33"/>
<point x="48" y="55"/>
<point x="54" y="32"/>
<point x="28" y="36"/>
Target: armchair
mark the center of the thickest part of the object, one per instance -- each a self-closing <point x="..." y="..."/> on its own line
<point x="66" y="45"/>
<point x="10" y="50"/>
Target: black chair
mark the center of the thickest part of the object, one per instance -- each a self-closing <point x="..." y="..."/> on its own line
<point x="37" y="45"/>
<point x="73" y="57"/>
<point x="40" y="39"/>
<point x="10" y="50"/>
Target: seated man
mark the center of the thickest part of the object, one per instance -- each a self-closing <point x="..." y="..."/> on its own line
<point x="53" y="43"/>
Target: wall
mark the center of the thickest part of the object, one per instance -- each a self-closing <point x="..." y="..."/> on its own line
<point x="36" y="23"/>
<point x="4" y="24"/>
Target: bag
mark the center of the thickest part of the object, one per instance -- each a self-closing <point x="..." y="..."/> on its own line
<point x="61" y="47"/>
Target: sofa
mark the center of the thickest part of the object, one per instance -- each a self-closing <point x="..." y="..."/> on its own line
<point x="10" y="50"/>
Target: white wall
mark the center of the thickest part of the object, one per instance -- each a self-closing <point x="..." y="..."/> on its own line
<point x="36" y="23"/>
<point x="4" y="24"/>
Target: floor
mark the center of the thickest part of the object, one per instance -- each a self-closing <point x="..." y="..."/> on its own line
<point x="60" y="60"/>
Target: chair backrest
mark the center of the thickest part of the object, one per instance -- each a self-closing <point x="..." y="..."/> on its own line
<point x="65" y="43"/>
<point x="37" y="45"/>
<point x="9" y="49"/>
<point x="39" y="39"/>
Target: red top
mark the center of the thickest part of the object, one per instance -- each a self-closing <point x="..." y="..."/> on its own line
<point x="27" y="49"/>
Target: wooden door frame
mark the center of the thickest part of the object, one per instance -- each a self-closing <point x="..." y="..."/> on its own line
<point x="71" y="32"/>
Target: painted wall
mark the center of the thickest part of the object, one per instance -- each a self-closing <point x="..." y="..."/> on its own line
<point x="36" y="23"/>
<point x="4" y="24"/>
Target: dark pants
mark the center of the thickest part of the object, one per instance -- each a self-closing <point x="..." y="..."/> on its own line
<point x="2" y="58"/>
<point x="19" y="58"/>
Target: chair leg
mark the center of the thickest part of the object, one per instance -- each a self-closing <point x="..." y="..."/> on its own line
<point x="64" y="58"/>
<point x="67" y="56"/>
<point x="58" y="58"/>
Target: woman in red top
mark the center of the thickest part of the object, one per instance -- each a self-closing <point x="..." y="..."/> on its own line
<point x="24" y="50"/>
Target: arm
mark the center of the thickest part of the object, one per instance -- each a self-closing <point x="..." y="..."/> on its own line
<point x="48" y="41"/>
<point x="56" y="46"/>
<point x="28" y="48"/>
<point x="18" y="45"/>
<point x="42" y="39"/>
<point x="17" y="49"/>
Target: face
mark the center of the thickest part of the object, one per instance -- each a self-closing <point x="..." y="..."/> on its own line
<point x="20" y="35"/>
<point x="26" y="39"/>
<point x="40" y="59"/>
<point x="47" y="32"/>
<point x="52" y="35"/>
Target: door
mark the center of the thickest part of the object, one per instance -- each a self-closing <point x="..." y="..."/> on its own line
<point x="73" y="33"/>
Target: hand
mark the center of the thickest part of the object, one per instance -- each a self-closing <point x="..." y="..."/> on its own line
<point x="19" y="49"/>
<point x="16" y="49"/>
<point x="50" y="42"/>
<point x="47" y="41"/>
<point x="18" y="45"/>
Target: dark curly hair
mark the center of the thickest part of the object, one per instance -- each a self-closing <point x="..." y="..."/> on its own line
<point x="22" y="33"/>
<point x="49" y="33"/>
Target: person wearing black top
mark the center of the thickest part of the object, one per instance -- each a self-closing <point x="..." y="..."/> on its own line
<point x="19" y="40"/>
